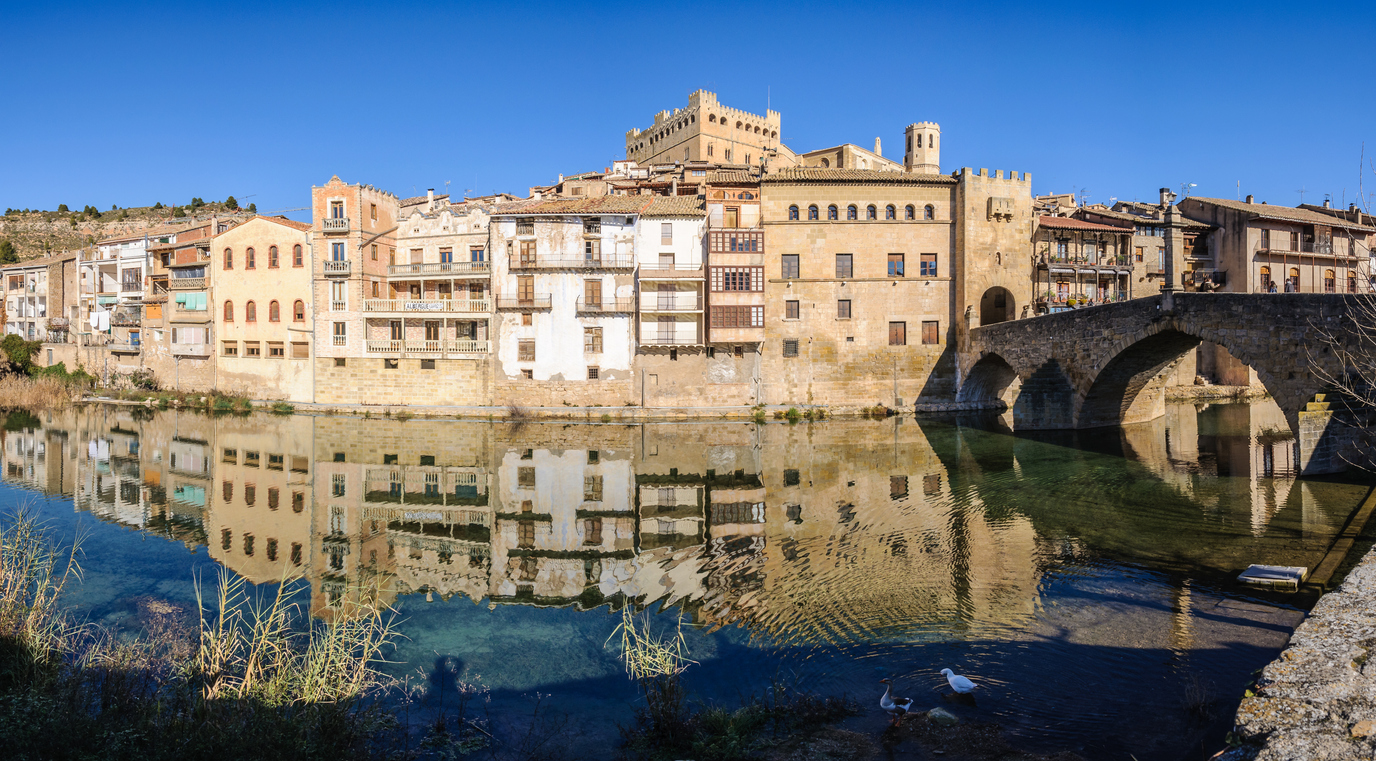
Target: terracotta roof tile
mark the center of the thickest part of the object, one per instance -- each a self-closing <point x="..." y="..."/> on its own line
<point x="594" y="205"/>
<point x="44" y="262"/>
<point x="1071" y="223"/>
<point x="1136" y="219"/>
<point x="812" y="174"/>
<point x="420" y="199"/>
<point x="732" y="178"/>
<point x="675" y="206"/>
<point x="1282" y="213"/>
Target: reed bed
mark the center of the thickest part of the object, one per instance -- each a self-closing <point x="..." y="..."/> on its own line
<point x="36" y="393"/>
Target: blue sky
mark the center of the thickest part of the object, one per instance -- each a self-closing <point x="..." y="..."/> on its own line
<point x="132" y="105"/>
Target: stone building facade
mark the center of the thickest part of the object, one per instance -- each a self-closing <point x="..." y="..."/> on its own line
<point x="707" y="131"/>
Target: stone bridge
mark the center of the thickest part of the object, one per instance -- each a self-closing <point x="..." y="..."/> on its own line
<point x="1109" y="365"/>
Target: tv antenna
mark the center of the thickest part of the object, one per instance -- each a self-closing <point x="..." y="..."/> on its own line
<point x="1185" y="188"/>
<point x="1301" y="191"/>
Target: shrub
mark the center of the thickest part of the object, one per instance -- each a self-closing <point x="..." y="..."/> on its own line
<point x="606" y="418"/>
<point x="283" y="408"/>
<point x="793" y="415"/>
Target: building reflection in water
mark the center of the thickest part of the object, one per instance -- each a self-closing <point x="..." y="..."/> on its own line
<point x="810" y="533"/>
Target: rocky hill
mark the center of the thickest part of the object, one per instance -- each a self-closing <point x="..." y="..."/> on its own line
<point x="36" y="233"/>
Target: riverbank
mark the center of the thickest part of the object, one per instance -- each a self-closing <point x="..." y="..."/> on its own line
<point x="1318" y="699"/>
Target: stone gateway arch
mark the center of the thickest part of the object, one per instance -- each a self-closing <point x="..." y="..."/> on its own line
<point x="1109" y="365"/>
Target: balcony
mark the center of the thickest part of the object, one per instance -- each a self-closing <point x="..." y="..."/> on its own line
<point x="130" y="287"/>
<point x="452" y="269"/>
<point x="735" y="241"/>
<point x="336" y="269"/>
<point x="669" y="339"/>
<point x="606" y="306"/>
<point x="194" y="351"/>
<point x="676" y="301"/>
<point x="428" y="349"/>
<point x="527" y="303"/>
<point x="124" y="348"/>
<point x="428" y="306"/>
<point x="332" y="226"/>
<point x="186" y="284"/>
<point x="676" y="271"/>
<point x="574" y="263"/>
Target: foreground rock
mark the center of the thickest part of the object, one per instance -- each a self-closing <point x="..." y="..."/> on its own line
<point x="1317" y="701"/>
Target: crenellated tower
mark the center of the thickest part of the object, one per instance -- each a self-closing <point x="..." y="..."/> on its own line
<point x="923" y="155"/>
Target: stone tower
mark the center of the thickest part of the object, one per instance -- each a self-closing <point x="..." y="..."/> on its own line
<point x="923" y="155"/>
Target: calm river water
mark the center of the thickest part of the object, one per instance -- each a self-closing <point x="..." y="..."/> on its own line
<point x="1085" y="580"/>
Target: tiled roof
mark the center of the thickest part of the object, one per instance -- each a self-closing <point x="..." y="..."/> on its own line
<point x="1282" y="213"/>
<point x="44" y="262"/>
<point x="1071" y="223"/>
<point x="420" y="199"/>
<point x="813" y="174"/>
<point x="675" y="206"/>
<point x="733" y="178"/>
<point x="594" y="205"/>
<point x="293" y="224"/>
<point x="151" y="232"/>
<point x="1136" y="218"/>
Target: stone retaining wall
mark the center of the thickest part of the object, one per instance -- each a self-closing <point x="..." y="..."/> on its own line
<point x="1317" y="701"/>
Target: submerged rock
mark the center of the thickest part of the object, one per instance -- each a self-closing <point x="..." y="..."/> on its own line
<point x="943" y="717"/>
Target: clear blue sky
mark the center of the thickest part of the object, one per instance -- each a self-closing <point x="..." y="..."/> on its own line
<point x="131" y="105"/>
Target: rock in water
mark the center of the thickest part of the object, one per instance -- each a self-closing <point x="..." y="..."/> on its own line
<point x="943" y="717"/>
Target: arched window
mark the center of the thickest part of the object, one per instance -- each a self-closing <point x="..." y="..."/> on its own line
<point x="908" y="212"/>
<point x="1330" y="281"/>
<point x="274" y="312"/>
<point x="871" y="212"/>
<point x="812" y="213"/>
<point x="1265" y="279"/>
<point x="229" y="258"/>
<point x="298" y="311"/>
<point x="793" y="213"/>
<point x="711" y="118"/>
<point x="1292" y="283"/>
<point x="931" y="141"/>
<point x="248" y="259"/>
<point x="747" y="196"/>
<point x="250" y="312"/>
<point x="831" y="212"/>
<point x="929" y="212"/>
<point x="890" y="212"/>
<point x="296" y="260"/>
<point x="272" y="257"/>
<point x="826" y="163"/>
<point x="852" y="212"/>
<point x="229" y="311"/>
<point x="738" y="125"/>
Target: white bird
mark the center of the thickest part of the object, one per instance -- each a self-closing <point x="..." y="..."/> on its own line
<point x="897" y="708"/>
<point x="958" y="683"/>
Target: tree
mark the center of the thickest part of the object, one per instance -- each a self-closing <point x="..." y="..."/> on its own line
<point x="62" y="208"/>
<point x="177" y="211"/>
<point x="253" y="208"/>
<point x="157" y="205"/>
<point x="19" y="354"/>
<point x="7" y="253"/>
<point x="230" y="203"/>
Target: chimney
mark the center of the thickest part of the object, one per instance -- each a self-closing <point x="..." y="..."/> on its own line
<point x="1249" y="198"/>
<point x="1327" y="203"/>
<point x="1167" y="197"/>
<point x="673" y="187"/>
<point x="561" y="177"/>
<point x="429" y="199"/>
<point x="878" y="151"/>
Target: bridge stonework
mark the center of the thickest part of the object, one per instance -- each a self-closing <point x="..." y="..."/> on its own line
<point x="1108" y="365"/>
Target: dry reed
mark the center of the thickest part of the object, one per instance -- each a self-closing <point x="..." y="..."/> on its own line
<point x="24" y="392"/>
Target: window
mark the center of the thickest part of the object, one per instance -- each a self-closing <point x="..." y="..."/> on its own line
<point x="592" y="225"/>
<point x="1265" y="279"/>
<point x="844" y="265"/>
<point x="372" y="211"/>
<point x="931" y="484"/>
<point x="793" y="213"/>
<point x="229" y="311"/>
<point x="229" y="258"/>
<point x="737" y="317"/>
<point x="592" y="488"/>
<point x="525" y="288"/>
<point x="895" y="265"/>
<point x="1265" y="238"/>
<point x="298" y="311"/>
<point x="871" y="212"/>
<point x="790" y="347"/>
<point x="737" y="278"/>
<point x="300" y="350"/>
<point x="908" y="211"/>
<point x="272" y="257"/>
<point x="231" y="349"/>
<point x="592" y="251"/>
<point x="340" y="337"/>
<point x="391" y="364"/>
<point x="929" y="212"/>
<point x="1140" y="253"/>
<point x="1161" y="258"/>
<point x="812" y="213"/>
<point x="525" y="350"/>
<point x="790" y="266"/>
<point x="666" y="233"/>
<point x="930" y="332"/>
<point x="898" y="487"/>
<point x="592" y="373"/>
<point x="898" y="334"/>
<point x="252" y="349"/>
<point x="890" y="212"/>
<point x="276" y="350"/>
<point x="831" y="212"/>
<point x="525" y="227"/>
<point x="373" y="252"/>
<point x="1294" y="241"/>
<point x="1329" y="281"/>
<point x="337" y="252"/>
<point x="927" y="265"/>
<point x="851" y="212"/>
<point x="395" y="326"/>
<point x="592" y="294"/>
<point x="1351" y="283"/>
<point x="250" y="259"/>
<point x="843" y="309"/>
<point x="250" y="312"/>
<point x="592" y="340"/>
<point x="527" y="319"/>
<point x="296" y="260"/>
<point x="446" y="256"/>
<point x="791" y="310"/>
<point x="427" y="364"/>
<point x="274" y="312"/>
<point x="525" y="477"/>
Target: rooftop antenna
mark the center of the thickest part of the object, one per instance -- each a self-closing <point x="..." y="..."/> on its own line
<point x="1185" y="188"/>
<point x="1301" y="191"/>
<point x="446" y="187"/>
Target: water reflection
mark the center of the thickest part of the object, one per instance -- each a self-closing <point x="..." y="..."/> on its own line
<point x="827" y="533"/>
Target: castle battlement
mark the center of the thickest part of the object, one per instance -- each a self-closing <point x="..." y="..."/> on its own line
<point x="997" y="176"/>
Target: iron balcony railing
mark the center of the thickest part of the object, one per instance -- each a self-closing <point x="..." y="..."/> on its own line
<point x="675" y="301"/>
<point x="428" y="348"/>
<point x="606" y="306"/>
<point x="427" y="306"/>
<point x="440" y="268"/>
<point x="675" y="271"/>
<point x="573" y="262"/>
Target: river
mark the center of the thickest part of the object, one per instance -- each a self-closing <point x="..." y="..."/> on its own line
<point x="1086" y="580"/>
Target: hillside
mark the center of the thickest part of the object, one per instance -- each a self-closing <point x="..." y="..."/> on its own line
<point x="37" y="233"/>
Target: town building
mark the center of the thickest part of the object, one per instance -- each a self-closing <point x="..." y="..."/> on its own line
<point x="262" y="314"/>
<point x="709" y="132"/>
<point x="564" y="279"/>
<point x="39" y="300"/>
<point x="1080" y="263"/>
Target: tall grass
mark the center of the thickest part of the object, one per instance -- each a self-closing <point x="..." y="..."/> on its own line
<point x="36" y="393"/>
